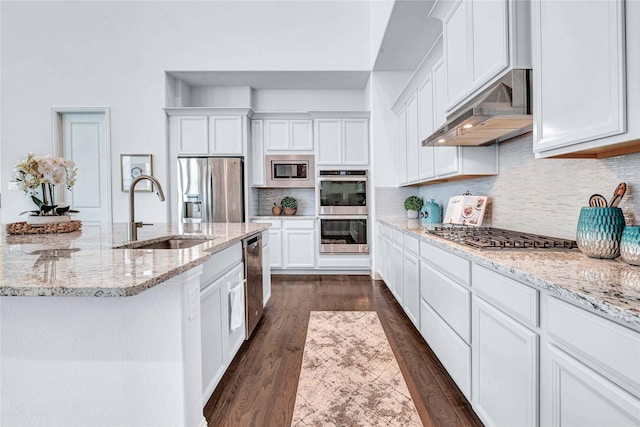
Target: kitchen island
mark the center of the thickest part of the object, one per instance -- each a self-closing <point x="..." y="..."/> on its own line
<point x="92" y="335"/>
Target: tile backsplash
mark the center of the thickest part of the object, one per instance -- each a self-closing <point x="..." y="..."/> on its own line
<point x="266" y="197"/>
<point x="538" y="196"/>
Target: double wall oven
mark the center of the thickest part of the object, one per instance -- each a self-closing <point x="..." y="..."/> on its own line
<point x="343" y="211"/>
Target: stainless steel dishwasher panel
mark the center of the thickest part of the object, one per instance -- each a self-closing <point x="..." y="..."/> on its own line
<point x="253" y="283"/>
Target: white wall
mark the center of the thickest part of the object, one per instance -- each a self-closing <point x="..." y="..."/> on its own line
<point x="114" y="54"/>
<point x="379" y="12"/>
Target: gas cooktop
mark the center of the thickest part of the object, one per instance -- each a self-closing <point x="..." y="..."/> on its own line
<point x="497" y="238"/>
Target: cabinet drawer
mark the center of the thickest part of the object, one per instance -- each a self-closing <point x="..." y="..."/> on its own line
<point x="608" y="348"/>
<point x="452" y="352"/>
<point x="514" y="298"/>
<point x="275" y="223"/>
<point x="299" y="224"/>
<point x="220" y="263"/>
<point x="397" y="236"/>
<point x="450" y="300"/>
<point x="411" y="244"/>
<point x="452" y="265"/>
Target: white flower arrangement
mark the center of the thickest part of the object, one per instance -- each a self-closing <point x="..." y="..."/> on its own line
<point x="41" y="174"/>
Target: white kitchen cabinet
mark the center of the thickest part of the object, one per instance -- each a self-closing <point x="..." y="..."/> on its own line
<point x="207" y="135"/>
<point x="439" y="76"/>
<point x="266" y="268"/>
<point x="225" y="135"/>
<point x="189" y="134"/>
<point x="401" y="146"/>
<point x="388" y="260"/>
<point x="583" y="97"/>
<point x="257" y="153"/>
<point x="397" y="266"/>
<point x="411" y="281"/>
<point x="577" y="396"/>
<point x="413" y="145"/>
<point x="275" y="241"/>
<point x="234" y="335"/>
<point x="504" y="368"/>
<point x="288" y="135"/>
<point x="425" y="129"/>
<point x="292" y="243"/>
<point x="482" y="39"/>
<point x="342" y="141"/>
<point x="212" y="311"/>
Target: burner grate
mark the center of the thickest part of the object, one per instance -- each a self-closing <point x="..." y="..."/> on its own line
<point x="498" y="238"/>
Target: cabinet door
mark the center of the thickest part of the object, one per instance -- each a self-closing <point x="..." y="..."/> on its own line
<point x="402" y="146"/>
<point x="425" y="128"/>
<point x="489" y="35"/>
<point x="397" y="266"/>
<point x="235" y="337"/>
<point x="583" y="67"/>
<point x="355" y="142"/>
<point x="456" y="41"/>
<point x="275" y="241"/>
<point x="411" y="291"/>
<point x="504" y="368"/>
<point x="301" y="135"/>
<point x="190" y="134"/>
<point x="574" y="395"/>
<point x="447" y="160"/>
<point x="413" y="150"/>
<point x="388" y="264"/>
<point x="299" y="248"/>
<point x="225" y="135"/>
<point x="257" y="153"/>
<point x="439" y="74"/>
<point x="328" y="137"/>
<point x="276" y="135"/>
<point x="212" y="317"/>
<point x="266" y="273"/>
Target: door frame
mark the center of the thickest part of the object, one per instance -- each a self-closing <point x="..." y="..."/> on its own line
<point x="57" y="141"/>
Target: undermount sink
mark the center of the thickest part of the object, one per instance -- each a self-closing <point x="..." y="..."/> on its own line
<point x="168" y="243"/>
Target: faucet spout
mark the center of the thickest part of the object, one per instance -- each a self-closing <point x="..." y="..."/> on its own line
<point x="133" y="225"/>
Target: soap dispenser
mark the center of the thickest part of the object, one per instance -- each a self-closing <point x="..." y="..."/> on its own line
<point x="431" y="214"/>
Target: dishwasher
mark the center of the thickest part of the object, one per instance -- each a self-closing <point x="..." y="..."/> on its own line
<point x="253" y="281"/>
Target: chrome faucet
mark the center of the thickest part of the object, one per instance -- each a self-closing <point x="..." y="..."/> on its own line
<point x="133" y="225"/>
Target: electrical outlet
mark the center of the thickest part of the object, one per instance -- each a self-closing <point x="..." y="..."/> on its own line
<point x="13" y="186"/>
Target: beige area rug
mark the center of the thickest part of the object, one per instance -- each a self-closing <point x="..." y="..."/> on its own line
<point x="349" y="376"/>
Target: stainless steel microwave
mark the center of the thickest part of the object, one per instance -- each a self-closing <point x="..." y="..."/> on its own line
<point x="290" y="171"/>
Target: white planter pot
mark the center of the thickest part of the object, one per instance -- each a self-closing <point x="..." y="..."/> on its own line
<point x="47" y="219"/>
<point x="412" y="214"/>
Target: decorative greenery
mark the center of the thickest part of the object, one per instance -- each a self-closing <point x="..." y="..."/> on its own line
<point x="37" y="176"/>
<point x="289" y="202"/>
<point x="413" y="203"/>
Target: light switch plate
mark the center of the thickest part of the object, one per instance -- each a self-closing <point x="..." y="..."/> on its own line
<point x="13" y="186"/>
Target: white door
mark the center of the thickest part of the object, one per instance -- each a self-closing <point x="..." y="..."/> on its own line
<point x="85" y="141"/>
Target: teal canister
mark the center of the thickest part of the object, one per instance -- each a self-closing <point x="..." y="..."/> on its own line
<point x="431" y="213"/>
<point x="630" y="245"/>
<point x="599" y="232"/>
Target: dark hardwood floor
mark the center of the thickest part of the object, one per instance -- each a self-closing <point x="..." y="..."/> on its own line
<point x="259" y="388"/>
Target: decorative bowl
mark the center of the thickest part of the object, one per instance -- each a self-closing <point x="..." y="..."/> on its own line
<point x="599" y="232"/>
<point x="630" y="245"/>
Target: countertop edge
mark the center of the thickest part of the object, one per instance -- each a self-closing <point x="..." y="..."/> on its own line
<point x="603" y="308"/>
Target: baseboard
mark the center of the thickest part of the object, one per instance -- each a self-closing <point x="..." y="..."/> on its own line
<point x="320" y="272"/>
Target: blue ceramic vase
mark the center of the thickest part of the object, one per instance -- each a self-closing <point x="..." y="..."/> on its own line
<point x="599" y="232"/>
<point x="630" y="245"/>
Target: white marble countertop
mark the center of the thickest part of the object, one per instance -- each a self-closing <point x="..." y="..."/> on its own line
<point x="608" y="287"/>
<point x="283" y="217"/>
<point x="84" y="263"/>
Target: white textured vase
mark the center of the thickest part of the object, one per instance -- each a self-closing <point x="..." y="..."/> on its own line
<point x="47" y="219"/>
<point x="412" y="214"/>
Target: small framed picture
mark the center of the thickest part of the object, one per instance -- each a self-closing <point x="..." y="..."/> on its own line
<point x="131" y="167"/>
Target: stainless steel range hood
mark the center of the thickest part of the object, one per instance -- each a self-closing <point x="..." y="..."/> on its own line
<point x="501" y="112"/>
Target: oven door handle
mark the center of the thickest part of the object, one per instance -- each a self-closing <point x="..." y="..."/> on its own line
<point x="342" y="178"/>
<point x="346" y="216"/>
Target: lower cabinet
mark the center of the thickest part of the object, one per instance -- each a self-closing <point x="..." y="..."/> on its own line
<point x="212" y="313"/>
<point x="505" y="368"/>
<point x="411" y="280"/>
<point x="298" y="241"/>
<point x="266" y="268"/>
<point x="397" y="271"/>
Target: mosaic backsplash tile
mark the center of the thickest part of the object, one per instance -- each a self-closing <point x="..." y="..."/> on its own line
<point x="541" y="196"/>
<point x="305" y="197"/>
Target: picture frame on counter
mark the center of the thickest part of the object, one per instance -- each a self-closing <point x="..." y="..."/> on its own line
<point x="132" y="166"/>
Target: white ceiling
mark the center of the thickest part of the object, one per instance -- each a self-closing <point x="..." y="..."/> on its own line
<point x="278" y="80"/>
<point x="408" y="37"/>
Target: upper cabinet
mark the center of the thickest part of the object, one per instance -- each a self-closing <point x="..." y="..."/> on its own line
<point x="288" y="135"/>
<point x="207" y="135"/>
<point x="342" y="141"/>
<point x="584" y="103"/>
<point x="481" y="40"/>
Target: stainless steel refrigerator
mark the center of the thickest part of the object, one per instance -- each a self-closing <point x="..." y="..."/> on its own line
<point x="210" y="189"/>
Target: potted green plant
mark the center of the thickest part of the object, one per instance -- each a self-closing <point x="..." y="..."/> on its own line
<point x="412" y="205"/>
<point x="289" y="205"/>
